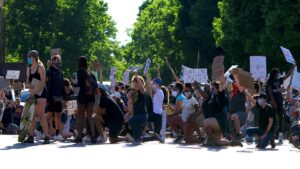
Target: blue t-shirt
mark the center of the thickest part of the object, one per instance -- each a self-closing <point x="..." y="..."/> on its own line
<point x="180" y="97"/>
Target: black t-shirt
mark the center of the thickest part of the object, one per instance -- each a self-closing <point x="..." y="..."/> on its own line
<point x="82" y="76"/>
<point x="237" y="103"/>
<point x="264" y="115"/>
<point x="139" y="103"/>
<point x="276" y="89"/>
<point x="216" y="104"/>
<point x="113" y="112"/>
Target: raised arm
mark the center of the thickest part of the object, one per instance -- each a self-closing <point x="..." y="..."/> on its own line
<point x="172" y="70"/>
<point x="289" y="73"/>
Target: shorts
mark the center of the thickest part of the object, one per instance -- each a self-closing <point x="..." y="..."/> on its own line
<point x="54" y="107"/>
<point x="242" y="116"/>
<point x="43" y="95"/>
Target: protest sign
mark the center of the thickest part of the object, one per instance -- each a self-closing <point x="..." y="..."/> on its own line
<point x="147" y="66"/>
<point x="71" y="106"/>
<point x="288" y="55"/>
<point x="3" y="83"/>
<point x="217" y="68"/>
<point x="243" y="78"/>
<point x="13" y="74"/>
<point x="189" y="75"/>
<point x="228" y="73"/>
<point x="296" y="80"/>
<point x="126" y="77"/>
<point x="258" y="67"/>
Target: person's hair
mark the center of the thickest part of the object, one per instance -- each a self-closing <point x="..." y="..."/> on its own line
<point x="35" y="54"/>
<point x="117" y="88"/>
<point x="216" y="85"/>
<point x="82" y="62"/>
<point x="273" y="73"/>
<point x="103" y="92"/>
<point x="55" y="57"/>
<point x="256" y="87"/>
<point x="67" y="82"/>
<point x="179" y="86"/>
<point x="166" y="95"/>
<point x="189" y="86"/>
<point x="134" y="79"/>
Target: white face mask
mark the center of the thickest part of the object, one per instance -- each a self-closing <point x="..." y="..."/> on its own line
<point x="174" y="93"/>
<point x="187" y="94"/>
<point x="260" y="101"/>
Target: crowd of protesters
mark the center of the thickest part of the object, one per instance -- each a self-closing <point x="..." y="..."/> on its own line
<point x="215" y="113"/>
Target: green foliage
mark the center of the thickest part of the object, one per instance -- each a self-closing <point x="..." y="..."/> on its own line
<point x="78" y="27"/>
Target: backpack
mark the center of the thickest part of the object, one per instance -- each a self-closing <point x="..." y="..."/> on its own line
<point x="91" y="84"/>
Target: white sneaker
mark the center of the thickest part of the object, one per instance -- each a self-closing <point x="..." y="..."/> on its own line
<point x="129" y="138"/>
<point x="38" y="135"/>
<point x="59" y="138"/>
<point x="86" y="138"/>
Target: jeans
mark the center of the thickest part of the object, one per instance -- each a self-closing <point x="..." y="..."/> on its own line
<point x="137" y="124"/>
<point x="263" y="143"/>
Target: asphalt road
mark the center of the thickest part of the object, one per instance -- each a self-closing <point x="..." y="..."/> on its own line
<point x="148" y="155"/>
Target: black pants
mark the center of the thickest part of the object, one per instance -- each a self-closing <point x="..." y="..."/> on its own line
<point x="279" y="114"/>
<point x="157" y="120"/>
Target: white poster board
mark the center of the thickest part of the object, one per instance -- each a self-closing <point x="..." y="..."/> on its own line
<point x="189" y="75"/>
<point x="288" y="55"/>
<point x="258" y="67"/>
<point x="3" y="83"/>
<point x="71" y="106"/>
<point x="296" y="79"/>
<point x="12" y="74"/>
<point x="147" y="66"/>
<point x="126" y="77"/>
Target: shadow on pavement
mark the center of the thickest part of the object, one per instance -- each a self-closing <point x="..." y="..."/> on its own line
<point x="20" y="146"/>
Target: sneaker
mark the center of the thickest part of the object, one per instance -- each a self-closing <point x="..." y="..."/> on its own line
<point x="273" y="145"/>
<point x="46" y="140"/>
<point x="179" y="138"/>
<point x="235" y="142"/>
<point x="137" y="142"/>
<point x="29" y="140"/>
<point x="129" y="138"/>
<point x="102" y="139"/>
<point x="94" y="140"/>
<point x="157" y="136"/>
<point x="59" y="138"/>
<point x="209" y="143"/>
<point x="78" y="140"/>
<point x="86" y="138"/>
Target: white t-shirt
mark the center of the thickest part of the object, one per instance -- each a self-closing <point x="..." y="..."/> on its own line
<point x="158" y="100"/>
<point x="189" y="108"/>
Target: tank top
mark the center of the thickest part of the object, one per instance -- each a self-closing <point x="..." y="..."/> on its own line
<point x="35" y="75"/>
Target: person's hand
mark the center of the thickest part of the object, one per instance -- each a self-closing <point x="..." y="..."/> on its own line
<point x="264" y="136"/>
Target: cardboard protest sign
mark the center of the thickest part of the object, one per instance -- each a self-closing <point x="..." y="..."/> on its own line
<point x="288" y="55"/>
<point x="296" y="80"/>
<point x="3" y="83"/>
<point x="13" y="74"/>
<point x="217" y="68"/>
<point x="147" y="66"/>
<point x="243" y="78"/>
<point x="71" y="106"/>
<point x="189" y="75"/>
<point x="56" y="51"/>
<point x="258" y="67"/>
<point x="126" y="77"/>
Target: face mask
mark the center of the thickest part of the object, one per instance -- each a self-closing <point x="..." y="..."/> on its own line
<point x="174" y="93"/>
<point x="187" y="94"/>
<point x="260" y="102"/>
<point x="29" y="61"/>
<point x="57" y="65"/>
